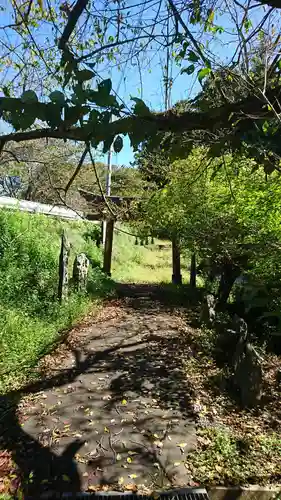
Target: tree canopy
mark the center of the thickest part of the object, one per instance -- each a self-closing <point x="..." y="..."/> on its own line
<point x="57" y="59"/>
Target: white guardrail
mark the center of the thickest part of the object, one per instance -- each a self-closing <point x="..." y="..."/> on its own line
<point x="39" y="208"/>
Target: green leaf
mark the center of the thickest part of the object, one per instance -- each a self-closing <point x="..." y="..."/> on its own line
<point x="57" y="97"/>
<point x="118" y="144"/>
<point x="80" y="93"/>
<point x="26" y="120"/>
<point x="10" y="104"/>
<point x="203" y="73"/>
<point x="279" y="64"/>
<point x="94" y="116"/>
<point x="53" y="114"/>
<point x="29" y="96"/>
<point x="189" y="70"/>
<point x="72" y="114"/>
<point x="211" y="16"/>
<point x="105" y="86"/>
<point x="192" y="57"/>
<point x="6" y="91"/>
<point x="102" y="99"/>
<point x="84" y="75"/>
<point x="247" y="24"/>
<point x="265" y="127"/>
<point x="140" y="108"/>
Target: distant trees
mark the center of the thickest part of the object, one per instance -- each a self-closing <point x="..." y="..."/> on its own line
<point x="45" y="168"/>
<point x="230" y="220"/>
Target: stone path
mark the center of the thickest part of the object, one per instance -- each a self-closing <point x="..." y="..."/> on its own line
<point x="115" y="408"/>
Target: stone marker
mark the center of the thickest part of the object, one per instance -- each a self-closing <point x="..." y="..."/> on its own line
<point x="208" y="312"/>
<point x="80" y="271"/>
<point x="247" y="368"/>
<point x="63" y="268"/>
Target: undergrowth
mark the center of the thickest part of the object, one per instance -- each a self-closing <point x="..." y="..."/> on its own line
<point x="227" y="457"/>
<point x="235" y="445"/>
<point x="31" y="318"/>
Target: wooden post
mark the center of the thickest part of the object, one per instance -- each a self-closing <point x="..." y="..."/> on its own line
<point x="63" y="268"/>
<point x="192" y="280"/>
<point x="176" y="276"/>
<point x="108" y="247"/>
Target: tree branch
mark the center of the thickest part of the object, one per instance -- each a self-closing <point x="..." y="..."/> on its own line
<point x="109" y="46"/>
<point x="72" y="21"/>
<point x="77" y="170"/>
<point x="225" y="116"/>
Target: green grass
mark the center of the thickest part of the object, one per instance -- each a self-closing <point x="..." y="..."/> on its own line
<point x="226" y="457"/>
<point x="143" y="264"/>
<point x="31" y="318"/>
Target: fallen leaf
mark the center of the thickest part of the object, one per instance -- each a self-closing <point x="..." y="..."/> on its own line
<point x="124" y="402"/>
<point x="132" y="476"/>
<point x="106" y="429"/>
<point x="129" y="460"/>
<point x="118" y="457"/>
<point x="176" y="464"/>
<point x="120" y="480"/>
<point x="92" y="487"/>
<point x="66" y="478"/>
<point x="158" y="443"/>
<point x="131" y="487"/>
<point x="182" y="445"/>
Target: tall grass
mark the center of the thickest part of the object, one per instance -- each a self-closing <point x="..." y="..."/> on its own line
<point x="143" y="264"/>
<point x="30" y="315"/>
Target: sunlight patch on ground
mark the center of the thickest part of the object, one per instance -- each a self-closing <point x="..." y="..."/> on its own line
<point x="143" y="264"/>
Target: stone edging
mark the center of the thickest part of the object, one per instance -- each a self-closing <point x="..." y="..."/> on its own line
<point x="245" y="493"/>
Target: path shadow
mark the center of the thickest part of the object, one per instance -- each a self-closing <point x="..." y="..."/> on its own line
<point x="148" y="367"/>
<point x="166" y="296"/>
<point x="39" y="468"/>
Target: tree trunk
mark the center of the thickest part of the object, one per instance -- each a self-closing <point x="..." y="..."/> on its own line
<point x="228" y="277"/>
<point x="193" y="270"/>
<point x="176" y="276"/>
<point x="108" y="247"/>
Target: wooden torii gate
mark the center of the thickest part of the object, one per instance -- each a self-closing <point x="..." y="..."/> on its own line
<point x="101" y="204"/>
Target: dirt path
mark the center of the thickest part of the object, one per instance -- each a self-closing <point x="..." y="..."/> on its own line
<point x="116" y="407"/>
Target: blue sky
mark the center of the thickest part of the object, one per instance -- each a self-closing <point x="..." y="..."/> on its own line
<point x="127" y="81"/>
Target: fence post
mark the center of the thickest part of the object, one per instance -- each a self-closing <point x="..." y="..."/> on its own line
<point x="176" y="276"/>
<point x="63" y="268"/>
<point x="108" y="247"/>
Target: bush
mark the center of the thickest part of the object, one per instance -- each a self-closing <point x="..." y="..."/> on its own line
<point x="30" y="315"/>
